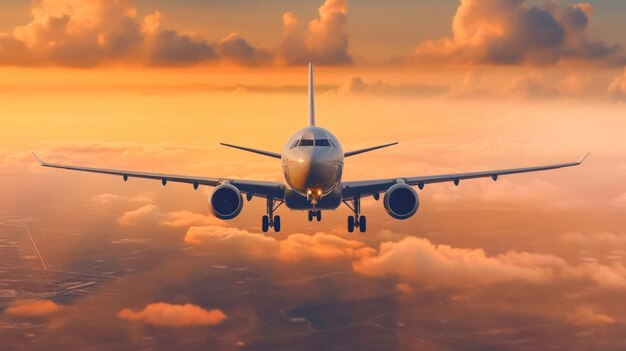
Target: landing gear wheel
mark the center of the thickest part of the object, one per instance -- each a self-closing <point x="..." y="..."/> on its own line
<point x="265" y="224"/>
<point x="277" y="224"/>
<point x="362" y="224"/>
<point x="310" y="216"/>
<point x="350" y="224"/>
<point x="318" y="214"/>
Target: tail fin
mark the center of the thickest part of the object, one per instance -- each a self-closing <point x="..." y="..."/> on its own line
<point x="311" y="97"/>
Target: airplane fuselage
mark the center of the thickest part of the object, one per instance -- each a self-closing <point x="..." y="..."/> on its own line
<point x="312" y="162"/>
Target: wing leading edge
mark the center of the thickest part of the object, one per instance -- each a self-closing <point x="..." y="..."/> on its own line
<point x="250" y="187"/>
<point x="371" y="187"/>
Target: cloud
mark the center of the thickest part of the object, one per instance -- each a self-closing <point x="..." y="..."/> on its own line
<point x="108" y="199"/>
<point x="296" y="247"/>
<point x="146" y="215"/>
<point x="358" y="86"/>
<point x="419" y="260"/>
<point x="171" y="48"/>
<point x="617" y="89"/>
<point x="511" y="32"/>
<point x="325" y="42"/>
<point x="586" y="316"/>
<point x="180" y="219"/>
<point x="88" y="33"/>
<point x="151" y="215"/>
<point x="168" y="315"/>
<point x="32" y="308"/>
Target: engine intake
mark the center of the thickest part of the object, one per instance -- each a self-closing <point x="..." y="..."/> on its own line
<point x="226" y="202"/>
<point x="401" y="201"/>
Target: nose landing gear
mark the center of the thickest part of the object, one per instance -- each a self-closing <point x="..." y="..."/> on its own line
<point x="317" y="214"/>
<point x="269" y="220"/>
<point x="356" y="221"/>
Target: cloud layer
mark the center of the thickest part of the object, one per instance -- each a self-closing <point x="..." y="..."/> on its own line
<point x="510" y="32"/>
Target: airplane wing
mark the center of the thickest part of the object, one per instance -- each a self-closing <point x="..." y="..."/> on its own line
<point x="374" y="187"/>
<point x="250" y="187"/>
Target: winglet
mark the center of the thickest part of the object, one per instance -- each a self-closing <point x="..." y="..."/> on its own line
<point x="39" y="160"/>
<point x="584" y="158"/>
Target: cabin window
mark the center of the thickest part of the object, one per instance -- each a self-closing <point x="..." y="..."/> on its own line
<point x="306" y="142"/>
<point x="322" y="142"/>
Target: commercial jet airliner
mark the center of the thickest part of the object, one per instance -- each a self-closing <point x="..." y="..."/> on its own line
<point x="312" y="164"/>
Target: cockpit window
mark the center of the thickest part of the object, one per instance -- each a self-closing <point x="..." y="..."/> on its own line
<point x="332" y="144"/>
<point x="306" y="142"/>
<point x="295" y="143"/>
<point x="322" y="142"/>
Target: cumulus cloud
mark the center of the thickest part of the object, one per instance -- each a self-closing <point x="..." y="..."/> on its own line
<point x="295" y="247"/>
<point x="325" y="42"/>
<point x="32" y="308"/>
<point x="516" y="32"/>
<point x="143" y="216"/>
<point x="87" y="33"/>
<point x="151" y="215"/>
<point x="419" y="260"/>
<point x="168" y="315"/>
<point x="586" y="316"/>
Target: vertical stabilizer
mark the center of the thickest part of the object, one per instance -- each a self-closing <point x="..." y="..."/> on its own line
<point x="311" y="97"/>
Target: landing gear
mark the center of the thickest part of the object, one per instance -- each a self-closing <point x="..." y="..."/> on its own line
<point x="270" y="220"/>
<point x="357" y="220"/>
<point x="317" y="214"/>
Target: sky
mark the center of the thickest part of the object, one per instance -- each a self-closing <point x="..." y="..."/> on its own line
<point x="532" y="261"/>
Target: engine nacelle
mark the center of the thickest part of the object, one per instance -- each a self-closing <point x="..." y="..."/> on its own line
<point x="226" y="201"/>
<point x="401" y="201"/>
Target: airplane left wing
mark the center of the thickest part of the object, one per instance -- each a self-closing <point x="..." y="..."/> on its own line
<point x="275" y="190"/>
<point x="374" y="187"/>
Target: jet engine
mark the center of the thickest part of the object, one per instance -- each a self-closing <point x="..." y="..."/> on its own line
<point x="226" y="201"/>
<point x="401" y="201"/>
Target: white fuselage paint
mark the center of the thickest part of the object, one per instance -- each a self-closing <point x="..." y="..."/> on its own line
<point x="313" y="171"/>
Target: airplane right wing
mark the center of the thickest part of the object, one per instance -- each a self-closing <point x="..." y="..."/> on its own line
<point x="275" y="190"/>
<point x="373" y="187"/>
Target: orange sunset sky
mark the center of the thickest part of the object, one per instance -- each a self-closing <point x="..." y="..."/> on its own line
<point x="531" y="262"/>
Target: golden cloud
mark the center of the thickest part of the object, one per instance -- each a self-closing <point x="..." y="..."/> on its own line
<point x="168" y="315"/>
<point x="586" y="316"/>
<point x="296" y="247"/>
<point x="87" y="33"/>
<point x="32" y="308"/>
<point x="325" y="42"/>
<point x="419" y="260"/>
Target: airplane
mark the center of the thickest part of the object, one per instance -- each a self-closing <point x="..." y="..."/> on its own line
<point x="312" y="164"/>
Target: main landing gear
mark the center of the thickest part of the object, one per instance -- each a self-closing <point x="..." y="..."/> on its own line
<point x="317" y="214"/>
<point x="270" y="220"/>
<point x="357" y="220"/>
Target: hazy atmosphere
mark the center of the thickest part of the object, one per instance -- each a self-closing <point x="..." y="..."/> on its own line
<point x="530" y="262"/>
